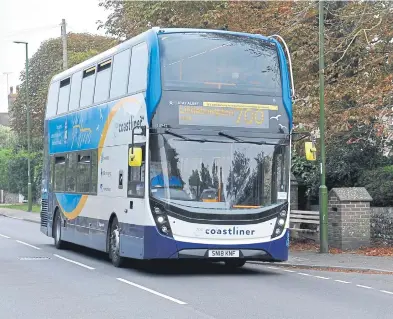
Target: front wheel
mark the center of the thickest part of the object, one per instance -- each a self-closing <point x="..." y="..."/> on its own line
<point x="114" y="244"/>
<point x="59" y="243"/>
<point x="235" y="263"/>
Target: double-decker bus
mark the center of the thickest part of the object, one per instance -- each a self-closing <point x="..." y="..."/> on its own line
<point x="174" y="144"/>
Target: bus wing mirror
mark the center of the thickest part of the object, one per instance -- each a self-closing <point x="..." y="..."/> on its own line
<point x="135" y="157"/>
<point x="311" y="151"/>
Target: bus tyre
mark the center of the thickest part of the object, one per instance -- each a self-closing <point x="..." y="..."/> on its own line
<point x="236" y="263"/>
<point x="59" y="243"/>
<point x="114" y="244"/>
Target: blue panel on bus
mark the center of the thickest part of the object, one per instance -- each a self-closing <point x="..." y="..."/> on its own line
<point x="68" y="202"/>
<point x="158" y="246"/>
<point x="77" y="131"/>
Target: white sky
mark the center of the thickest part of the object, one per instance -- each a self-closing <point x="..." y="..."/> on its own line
<point x="34" y="21"/>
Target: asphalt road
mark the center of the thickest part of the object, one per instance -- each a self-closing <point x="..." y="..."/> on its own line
<point x="38" y="281"/>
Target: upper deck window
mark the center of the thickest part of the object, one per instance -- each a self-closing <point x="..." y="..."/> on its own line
<point x="138" y="72"/>
<point x="64" y="96"/>
<point x="219" y="62"/>
<point x="121" y="68"/>
<point x="75" y="91"/>
<point x="87" y="87"/>
<point x="101" y="92"/>
<point x="53" y="95"/>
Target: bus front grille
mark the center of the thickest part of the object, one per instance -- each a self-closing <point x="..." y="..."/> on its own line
<point x="44" y="212"/>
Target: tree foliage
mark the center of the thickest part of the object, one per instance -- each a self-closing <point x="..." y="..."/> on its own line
<point x="358" y="48"/>
<point x="44" y="64"/>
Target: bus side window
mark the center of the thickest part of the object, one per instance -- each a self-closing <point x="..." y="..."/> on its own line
<point x="59" y="180"/>
<point x="136" y="178"/>
<point x="51" y="105"/>
<point x="121" y="68"/>
<point x="83" y="173"/>
<point x="138" y="71"/>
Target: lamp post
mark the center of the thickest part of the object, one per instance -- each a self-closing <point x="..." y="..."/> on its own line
<point x="29" y="194"/>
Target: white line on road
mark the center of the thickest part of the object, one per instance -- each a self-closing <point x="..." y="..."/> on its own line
<point x="387" y="292"/>
<point x="303" y="274"/>
<point x="271" y="267"/>
<point x="367" y="287"/>
<point x="152" y="291"/>
<point x="320" y="277"/>
<point x="4" y="236"/>
<point x="26" y="244"/>
<point x="74" y="262"/>
<point x="342" y="281"/>
<point x="287" y="270"/>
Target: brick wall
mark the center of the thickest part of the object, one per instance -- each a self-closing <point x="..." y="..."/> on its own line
<point x="349" y="218"/>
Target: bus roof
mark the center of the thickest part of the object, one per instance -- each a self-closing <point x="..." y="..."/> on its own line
<point x="130" y="42"/>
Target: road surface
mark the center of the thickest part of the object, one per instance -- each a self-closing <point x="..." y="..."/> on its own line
<point x="38" y="281"/>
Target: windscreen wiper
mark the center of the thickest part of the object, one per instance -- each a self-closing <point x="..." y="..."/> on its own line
<point x="184" y="137"/>
<point x="239" y="140"/>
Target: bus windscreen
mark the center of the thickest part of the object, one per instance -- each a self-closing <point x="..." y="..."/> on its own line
<point x="217" y="62"/>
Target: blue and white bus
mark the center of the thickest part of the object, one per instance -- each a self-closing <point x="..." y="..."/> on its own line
<point x="174" y="144"/>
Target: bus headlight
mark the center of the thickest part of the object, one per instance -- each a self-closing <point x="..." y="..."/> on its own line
<point x="161" y="219"/>
<point x="278" y="231"/>
<point x="283" y="213"/>
<point x="281" y="221"/>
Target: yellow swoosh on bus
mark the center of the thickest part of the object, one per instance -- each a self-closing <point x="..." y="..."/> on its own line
<point x="112" y="113"/>
<point x="81" y="128"/>
<point x="77" y="210"/>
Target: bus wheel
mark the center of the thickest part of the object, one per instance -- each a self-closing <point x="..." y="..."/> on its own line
<point x="235" y="263"/>
<point x="114" y="244"/>
<point x="59" y="244"/>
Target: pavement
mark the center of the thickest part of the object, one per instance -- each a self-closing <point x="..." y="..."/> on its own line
<point x="20" y="214"/>
<point x="344" y="261"/>
<point x="39" y="281"/>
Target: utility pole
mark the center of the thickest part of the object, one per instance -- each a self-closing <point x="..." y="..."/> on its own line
<point x="64" y="42"/>
<point x="323" y="194"/>
<point x="29" y="193"/>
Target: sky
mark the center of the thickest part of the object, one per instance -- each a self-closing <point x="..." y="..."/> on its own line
<point x="34" y="21"/>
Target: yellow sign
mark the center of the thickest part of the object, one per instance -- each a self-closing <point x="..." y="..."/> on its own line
<point x="311" y="151"/>
<point x="135" y="158"/>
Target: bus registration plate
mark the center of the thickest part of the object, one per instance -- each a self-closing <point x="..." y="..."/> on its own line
<point x="224" y="253"/>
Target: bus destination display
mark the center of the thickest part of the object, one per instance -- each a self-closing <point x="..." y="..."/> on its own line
<point x="224" y="114"/>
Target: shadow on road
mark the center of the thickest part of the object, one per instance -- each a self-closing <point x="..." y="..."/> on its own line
<point x="176" y="267"/>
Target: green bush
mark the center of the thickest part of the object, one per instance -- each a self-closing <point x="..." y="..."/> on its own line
<point x="379" y="183"/>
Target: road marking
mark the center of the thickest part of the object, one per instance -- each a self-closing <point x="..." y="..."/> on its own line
<point x="26" y="244"/>
<point x="270" y="267"/>
<point x="387" y="292"/>
<point x="303" y="274"/>
<point x="320" y="277"/>
<point x="287" y="270"/>
<point x="152" y="291"/>
<point x="4" y="236"/>
<point x="342" y="281"/>
<point x="367" y="287"/>
<point x="74" y="262"/>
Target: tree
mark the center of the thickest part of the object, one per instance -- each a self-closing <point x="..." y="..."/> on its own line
<point x="358" y="48"/>
<point x="44" y="64"/>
